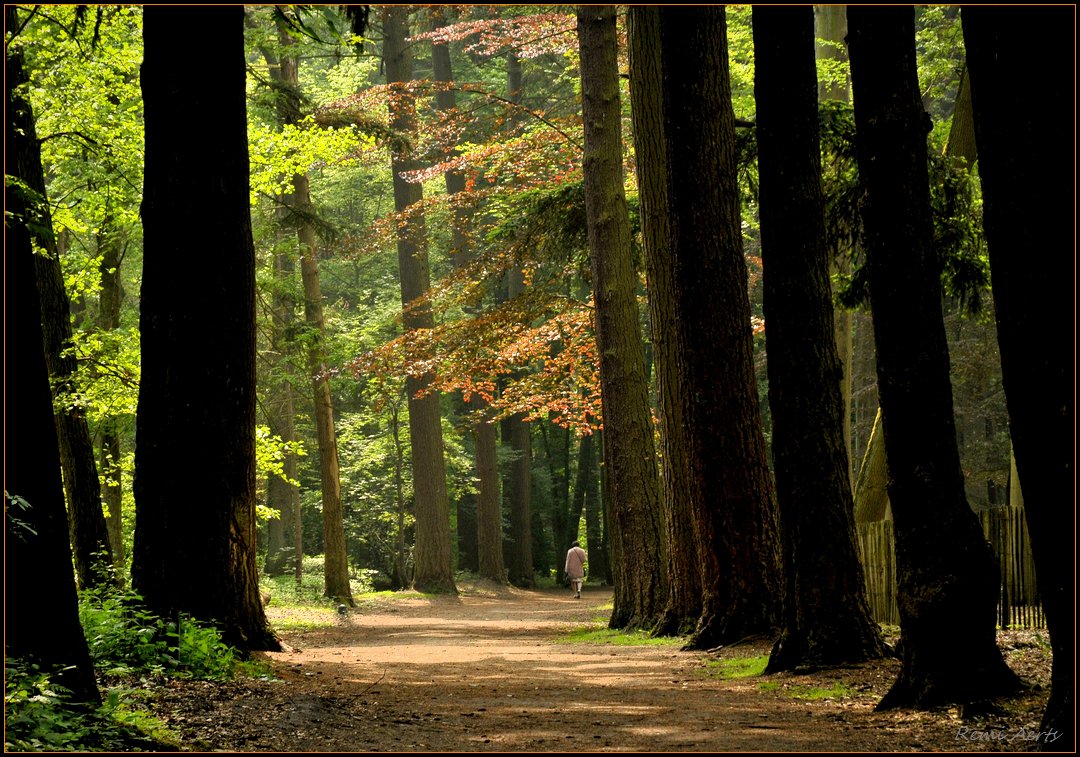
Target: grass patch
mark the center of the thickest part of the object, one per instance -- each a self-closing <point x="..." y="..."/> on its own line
<point x="837" y="691"/>
<point x="312" y="620"/>
<point x="738" y="667"/>
<point x="616" y="637"/>
<point x="768" y="686"/>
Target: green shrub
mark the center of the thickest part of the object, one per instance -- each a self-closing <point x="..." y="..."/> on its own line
<point x="125" y="638"/>
<point x="39" y="716"/>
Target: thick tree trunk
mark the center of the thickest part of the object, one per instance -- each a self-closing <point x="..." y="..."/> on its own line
<point x="947" y="577"/>
<point x="434" y="569"/>
<point x="830" y="25"/>
<point x="827" y="619"/>
<point x="195" y="524"/>
<point x="731" y="491"/>
<point x="650" y="142"/>
<point x="633" y="495"/>
<point x="1026" y="174"/>
<point x="40" y="605"/>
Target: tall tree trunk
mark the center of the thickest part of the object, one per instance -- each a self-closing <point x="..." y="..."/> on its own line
<point x="595" y="519"/>
<point x="1026" y="174"/>
<point x="195" y="524"/>
<point x="281" y="547"/>
<point x="827" y="619"/>
<point x="731" y="492"/>
<point x="39" y="587"/>
<point x="86" y="519"/>
<point x="109" y="301"/>
<point x="961" y="141"/>
<point x="336" y="565"/>
<point x="633" y="491"/>
<point x="830" y="25"/>
<point x="516" y="432"/>
<point x="947" y="577"/>
<point x="871" y="488"/>
<point x="460" y="253"/>
<point x="434" y="569"/>
<point x="488" y="506"/>
<point x="650" y="142"/>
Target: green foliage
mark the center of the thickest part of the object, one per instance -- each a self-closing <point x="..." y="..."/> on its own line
<point x="39" y="717"/>
<point x="126" y="639"/>
<point x="285" y="592"/>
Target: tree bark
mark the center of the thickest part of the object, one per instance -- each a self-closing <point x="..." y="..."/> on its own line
<point x="830" y="24"/>
<point x="109" y="301"/>
<point x="40" y="586"/>
<point x="434" y="569"/>
<point x="301" y="213"/>
<point x="1026" y="174"/>
<point x="650" y="145"/>
<point x="281" y="547"/>
<point x="871" y="489"/>
<point x="827" y="619"/>
<point x="731" y="491"/>
<point x="86" y="518"/>
<point x="633" y="496"/>
<point x="947" y="577"/>
<point x="195" y="520"/>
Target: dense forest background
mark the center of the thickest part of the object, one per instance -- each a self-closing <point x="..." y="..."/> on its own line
<point x="431" y="275"/>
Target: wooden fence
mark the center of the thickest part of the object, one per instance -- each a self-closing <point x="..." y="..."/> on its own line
<point x="1006" y="530"/>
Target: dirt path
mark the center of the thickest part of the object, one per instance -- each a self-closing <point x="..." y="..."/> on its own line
<point x="487" y="671"/>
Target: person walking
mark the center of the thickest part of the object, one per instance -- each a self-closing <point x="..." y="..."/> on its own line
<point x="575" y="567"/>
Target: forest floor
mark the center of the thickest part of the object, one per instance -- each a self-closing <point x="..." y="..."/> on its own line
<point x="506" y="670"/>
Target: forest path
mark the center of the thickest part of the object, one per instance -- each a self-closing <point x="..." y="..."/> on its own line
<point x="491" y="670"/>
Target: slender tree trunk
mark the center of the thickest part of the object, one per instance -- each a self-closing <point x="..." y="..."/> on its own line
<point x="947" y="577"/>
<point x="195" y="524"/>
<point x="280" y="494"/>
<point x="39" y="587"/>
<point x="516" y="432"/>
<point x="86" y="519"/>
<point x="827" y="618"/>
<point x="633" y="492"/>
<point x="434" y="570"/>
<point x="460" y="252"/>
<point x="112" y="494"/>
<point x="1026" y="174"/>
<point x="650" y="141"/>
<point x="336" y="564"/>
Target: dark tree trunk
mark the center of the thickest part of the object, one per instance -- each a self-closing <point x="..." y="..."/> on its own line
<point x="596" y="518"/>
<point x="826" y="616"/>
<point x="40" y="606"/>
<point x="434" y="569"/>
<point x="947" y="580"/>
<point x="731" y="492"/>
<point x="646" y="72"/>
<point x="1026" y="174"/>
<point x="633" y="492"/>
<point x="195" y="516"/>
<point x="86" y="519"/>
